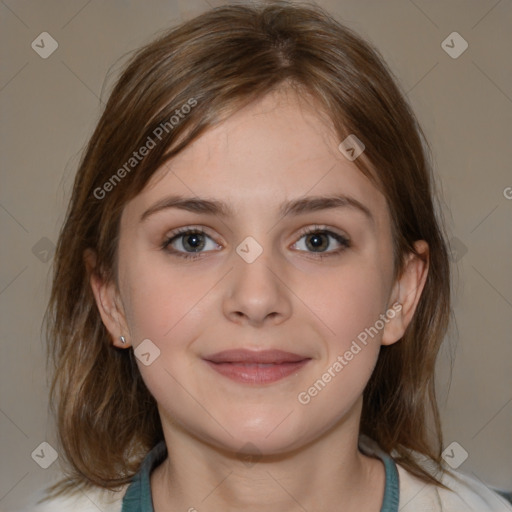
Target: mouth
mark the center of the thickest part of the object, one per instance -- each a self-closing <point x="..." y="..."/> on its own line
<point x="256" y="367"/>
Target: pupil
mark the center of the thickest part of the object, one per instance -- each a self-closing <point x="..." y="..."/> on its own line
<point x="316" y="241"/>
<point x="196" y="244"/>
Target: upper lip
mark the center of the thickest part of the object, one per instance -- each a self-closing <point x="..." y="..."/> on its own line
<point x="252" y="356"/>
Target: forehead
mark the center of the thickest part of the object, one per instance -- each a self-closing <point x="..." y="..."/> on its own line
<point x="278" y="148"/>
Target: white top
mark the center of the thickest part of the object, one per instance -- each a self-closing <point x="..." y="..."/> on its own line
<point x="469" y="495"/>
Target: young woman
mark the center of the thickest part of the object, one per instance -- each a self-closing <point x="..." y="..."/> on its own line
<point x="252" y="282"/>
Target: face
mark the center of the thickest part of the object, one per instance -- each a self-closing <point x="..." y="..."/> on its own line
<point x="266" y="265"/>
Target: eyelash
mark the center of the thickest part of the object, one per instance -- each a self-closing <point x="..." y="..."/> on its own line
<point x="342" y="240"/>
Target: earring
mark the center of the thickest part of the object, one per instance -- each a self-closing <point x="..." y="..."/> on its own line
<point x="122" y="339"/>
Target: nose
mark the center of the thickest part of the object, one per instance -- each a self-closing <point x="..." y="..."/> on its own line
<point x="256" y="293"/>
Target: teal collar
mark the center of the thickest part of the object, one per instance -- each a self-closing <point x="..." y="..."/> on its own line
<point x="138" y="494"/>
<point x="392" y="489"/>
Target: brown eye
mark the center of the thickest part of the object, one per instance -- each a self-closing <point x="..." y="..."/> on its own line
<point x="317" y="242"/>
<point x="192" y="242"/>
<point x="189" y="243"/>
<point x="320" y="240"/>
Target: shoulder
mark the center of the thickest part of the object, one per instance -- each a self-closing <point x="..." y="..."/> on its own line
<point x="82" y="501"/>
<point x="465" y="494"/>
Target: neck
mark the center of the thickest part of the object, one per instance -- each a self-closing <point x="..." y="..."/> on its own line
<point x="329" y="473"/>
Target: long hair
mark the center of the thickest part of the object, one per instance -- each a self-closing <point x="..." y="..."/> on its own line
<point x="215" y="64"/>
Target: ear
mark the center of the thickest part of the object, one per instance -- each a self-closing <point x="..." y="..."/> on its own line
<point x="108" y="302"/>
<point x="407" y="292"/>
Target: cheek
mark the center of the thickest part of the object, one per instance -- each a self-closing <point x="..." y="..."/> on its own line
<point x="351" y="310"/>
<point x="352" y="352"/>
<point x="350" y="303"/>
<point x="160" y="299"/>
<point x="165" y="307"/>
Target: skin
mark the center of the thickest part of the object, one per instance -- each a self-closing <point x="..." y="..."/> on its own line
<point x="306" y="456"/>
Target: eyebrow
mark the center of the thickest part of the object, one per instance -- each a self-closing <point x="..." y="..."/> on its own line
<point x="293" y="207"/>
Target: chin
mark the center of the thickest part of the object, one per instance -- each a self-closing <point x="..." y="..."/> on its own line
<point x="262" y="435"/>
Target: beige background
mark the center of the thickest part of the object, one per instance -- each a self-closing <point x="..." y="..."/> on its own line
<point x="49" y="108"/>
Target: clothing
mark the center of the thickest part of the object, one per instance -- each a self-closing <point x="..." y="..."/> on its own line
<point x="138" y="495"/>
<point x="403" y="491"/>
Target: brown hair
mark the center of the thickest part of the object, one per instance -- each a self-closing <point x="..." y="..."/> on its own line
<point x="221" y="60"/>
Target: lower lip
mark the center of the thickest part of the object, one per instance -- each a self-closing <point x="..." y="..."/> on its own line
<point x="257" y="373"/>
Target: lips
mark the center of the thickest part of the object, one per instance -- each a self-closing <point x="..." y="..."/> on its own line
<point x="256" y="367"/>
<point x="251" y="356"/>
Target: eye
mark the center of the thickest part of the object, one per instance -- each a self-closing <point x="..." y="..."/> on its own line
<point x="318" y="240"/>
<point x="189" y="243"/>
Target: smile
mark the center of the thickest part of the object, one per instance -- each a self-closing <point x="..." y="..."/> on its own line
<point x="250" y="367"/>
